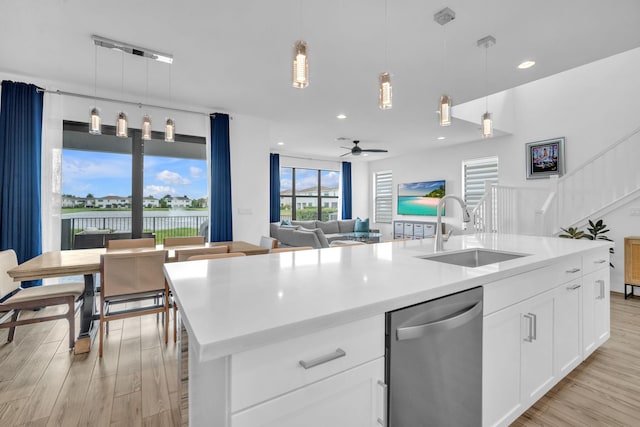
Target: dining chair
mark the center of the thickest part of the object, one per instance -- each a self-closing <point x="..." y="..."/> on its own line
<point x="216" y="256"/>
<point x="14" y="299"/>
<point x="183" y="241"/>
<point x="184" y="254"/>
<point x="268" y="242"/>
<point x="292" y="249"/>
<point x="149" y="242"/>
<point x="133" y="277"/>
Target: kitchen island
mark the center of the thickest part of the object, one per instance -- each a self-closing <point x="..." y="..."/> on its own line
<point x="244" y="317"/>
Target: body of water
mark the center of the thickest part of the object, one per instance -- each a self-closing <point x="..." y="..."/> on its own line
<point x="416" y="205"/>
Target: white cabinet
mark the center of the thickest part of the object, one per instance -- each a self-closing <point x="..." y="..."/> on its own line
<point x="333" y="377"/>
<point x="413" y="229"/>
<point x="355" y="398"/>
<point x="567" y="312"/>
<point x="595" y="302"/>
<point x="538" y="326"/>
<point x="517" y="358"/>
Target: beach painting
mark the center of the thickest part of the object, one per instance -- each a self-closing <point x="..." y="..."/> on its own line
<point x="420" y="198"/>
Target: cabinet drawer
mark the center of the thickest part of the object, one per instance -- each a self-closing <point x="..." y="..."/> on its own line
<point x="408" y="229"/>
<point x="277" y="369"/>
<point x="511" y="290"/>
<point x="399" y="227"/>
<point x="595" y="260"/>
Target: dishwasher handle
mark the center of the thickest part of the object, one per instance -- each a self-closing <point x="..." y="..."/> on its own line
<point x="445" y="324"/>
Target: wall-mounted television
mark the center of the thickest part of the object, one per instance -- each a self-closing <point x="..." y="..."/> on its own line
<point x="420" y="198"/>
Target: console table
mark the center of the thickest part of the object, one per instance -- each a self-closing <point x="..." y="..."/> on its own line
<point x="631" y="264"/>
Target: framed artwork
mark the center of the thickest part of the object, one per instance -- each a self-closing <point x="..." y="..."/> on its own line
<point x="545" y="158"/>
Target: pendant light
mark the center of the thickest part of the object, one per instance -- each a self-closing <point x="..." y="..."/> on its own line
<point x="487" y="122"/>
<point x="385" y="89"/>
<point x="300" y="65"/>
<point x="443" y="17"/>
<point x="146" y="120"/>
<point x="122" y="123"/>
<point x="170" y="126"/>
<point x="95" y="122"/>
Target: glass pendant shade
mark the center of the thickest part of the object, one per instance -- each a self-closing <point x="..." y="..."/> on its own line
<point x="122" y="125"/>
<point x="95" y="123"/>
<point x="300" y="65"/>
<point x="386" y="91"/>
<point x="445" y="110"/>
<point x="487" y="125"/>
<point x="146" y="127"/>
<point x="170" y="131"/>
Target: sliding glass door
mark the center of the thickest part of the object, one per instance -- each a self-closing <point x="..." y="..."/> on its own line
<point x="129" y="188"/>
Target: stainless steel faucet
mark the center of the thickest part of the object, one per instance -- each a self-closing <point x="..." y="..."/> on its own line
<point x="438" y="246"/>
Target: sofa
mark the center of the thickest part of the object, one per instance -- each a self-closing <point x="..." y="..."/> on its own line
<point x="317" y="234"/>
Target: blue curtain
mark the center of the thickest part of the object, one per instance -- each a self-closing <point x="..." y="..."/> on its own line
<point x="221" y="219"/>
<point x="346" y="190"/>
<point x="274" y="187"/>
<point x="20" y="166"/>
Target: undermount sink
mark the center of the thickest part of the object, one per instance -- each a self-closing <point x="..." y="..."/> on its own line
<point x="473" y="257"/>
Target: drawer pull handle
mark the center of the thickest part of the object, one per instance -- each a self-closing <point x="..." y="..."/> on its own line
<point x="323" y="359"/>
<point x="573" y="270"/>
<point x="573" y="288"/>
<point x="600" y="261"/>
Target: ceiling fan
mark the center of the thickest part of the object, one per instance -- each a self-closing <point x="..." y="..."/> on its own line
<point x="356" y="150"/>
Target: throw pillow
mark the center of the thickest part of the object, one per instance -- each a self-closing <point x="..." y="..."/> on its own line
<point x="362" y="225"/>
<point x="285" y="222"/>
<point x="346" y="225"/>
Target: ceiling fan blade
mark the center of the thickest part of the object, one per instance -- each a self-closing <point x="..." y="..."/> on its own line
<point x="346" y="154"/>
<point x="375" y="150"/>
<point x="346" y="148"/>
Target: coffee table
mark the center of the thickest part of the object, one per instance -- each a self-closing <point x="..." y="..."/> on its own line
<point x="362" y="236"/>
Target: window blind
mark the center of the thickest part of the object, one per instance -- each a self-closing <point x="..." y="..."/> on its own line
<point x="475" y="174"/>
<point x="382" y="209"/>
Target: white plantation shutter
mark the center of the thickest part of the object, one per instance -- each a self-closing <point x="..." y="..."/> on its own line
<point x="383" y="197"/>
<point x="474" y="175"/>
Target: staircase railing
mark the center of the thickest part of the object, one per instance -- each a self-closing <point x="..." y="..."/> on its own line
<point x="605" y="181"/>
<point x="509" y="209"/>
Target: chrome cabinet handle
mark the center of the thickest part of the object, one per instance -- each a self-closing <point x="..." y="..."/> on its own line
<point x="600" y="261"/>
<point x="601" y="283"/>
<point x="573" y="270"/>
<point x="529" y="338"/>
<point x="323" y="359"/>
<point x="535" y="326"/>
<point x="383" y="421"/>
<point x="573" y="288"/>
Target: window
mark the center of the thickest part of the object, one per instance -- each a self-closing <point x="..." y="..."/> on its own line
<point x="474" y="175"/>
<point x="132" y="187"/>
<point x="308" y="194"/>
<point x="383" y="197"/>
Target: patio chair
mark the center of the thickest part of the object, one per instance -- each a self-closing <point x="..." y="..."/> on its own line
<point x="15" y="299"/>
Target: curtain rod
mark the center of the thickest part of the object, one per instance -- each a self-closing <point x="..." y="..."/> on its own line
<point x="138" y="104"/>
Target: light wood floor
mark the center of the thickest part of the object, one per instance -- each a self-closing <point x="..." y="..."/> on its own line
<point x="43" y="384"/>
<point x="604" y="389"/>
<point x="135" y="383"/>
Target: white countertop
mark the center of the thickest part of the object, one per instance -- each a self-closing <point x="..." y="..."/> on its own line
<point x="231" y="305"/>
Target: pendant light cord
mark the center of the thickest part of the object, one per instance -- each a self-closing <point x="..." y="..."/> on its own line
<point x="95" y="74"/>
<point x="486" y="75"/>
<point x="386" y="37"/>
<point x="122" y="80"/>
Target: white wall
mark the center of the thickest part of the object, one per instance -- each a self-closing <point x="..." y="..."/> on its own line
<point x="591" y="106"/>
<point x="249" y="153"/>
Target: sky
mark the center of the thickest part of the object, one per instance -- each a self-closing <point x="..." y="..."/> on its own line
<point x="104" y="174"/>
<point x="307" y="178"/>
<point x="418" y="188"/>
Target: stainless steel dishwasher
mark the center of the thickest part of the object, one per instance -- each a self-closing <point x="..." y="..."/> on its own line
<point x="434" y="362"/>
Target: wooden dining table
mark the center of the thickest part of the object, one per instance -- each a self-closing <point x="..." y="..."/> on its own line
<point x="86" y="262"/>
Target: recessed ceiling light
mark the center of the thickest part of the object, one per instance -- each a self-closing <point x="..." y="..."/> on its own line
<point x="526" y="64"/>
<point x="441" y="138"/>
<point x="341" y="116"/>
<point x="280" y="143"/>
